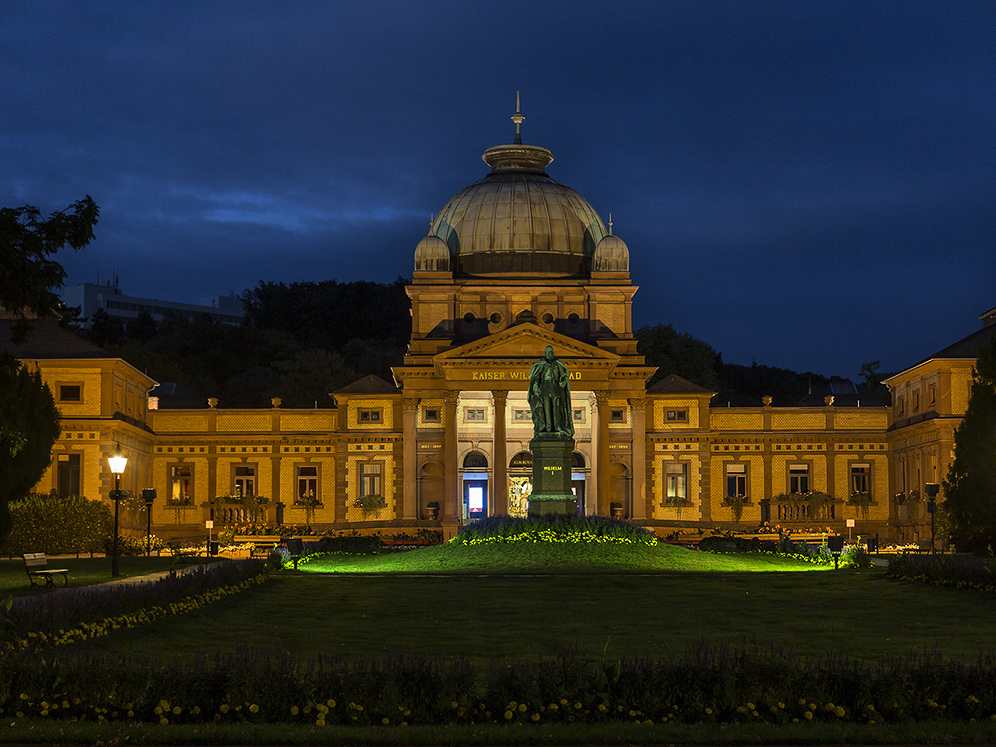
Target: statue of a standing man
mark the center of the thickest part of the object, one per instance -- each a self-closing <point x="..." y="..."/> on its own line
<point x="550" y="397"/>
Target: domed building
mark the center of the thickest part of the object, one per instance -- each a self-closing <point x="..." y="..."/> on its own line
<point x="512" y="263"/>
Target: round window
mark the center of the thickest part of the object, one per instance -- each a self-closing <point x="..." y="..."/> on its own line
<point x="495" y="318"/>
<point x="547" y="318"/>
<point x="573" y="319"/>
<point x="469" y="317"/>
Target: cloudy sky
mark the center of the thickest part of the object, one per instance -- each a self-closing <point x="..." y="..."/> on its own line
<point x="801" y="184"/>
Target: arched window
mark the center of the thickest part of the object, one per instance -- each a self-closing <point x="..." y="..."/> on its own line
<point x="475" y="460"/>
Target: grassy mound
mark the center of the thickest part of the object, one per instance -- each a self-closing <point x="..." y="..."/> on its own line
<point x="523" y="557"/>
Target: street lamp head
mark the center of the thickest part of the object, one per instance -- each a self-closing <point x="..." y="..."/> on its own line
<point x="117" y="460"/>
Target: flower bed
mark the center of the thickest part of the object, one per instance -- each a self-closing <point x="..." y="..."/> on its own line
<point x="76" y="614"/>
<point x="713" y="686"/>
<point x="959" y="571"/>
<point x="567" y="529"/>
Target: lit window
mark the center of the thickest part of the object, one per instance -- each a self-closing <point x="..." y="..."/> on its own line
<point x="526" y="415"/>
<point x="861" y="478"/>
<point x="181" y="479"/>
<point x="370" y="479"/>
<point x="307" y="484"/>
<point x="736" y="480"/>
<point x="473" y="414"/>
<point x="244" y="479"/>
<point x="798" y="478"/>
<point x="676" y="482"/>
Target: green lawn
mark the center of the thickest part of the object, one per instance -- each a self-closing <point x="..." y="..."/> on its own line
<point x="560" y="558"/>
<point x="639" y="612"/>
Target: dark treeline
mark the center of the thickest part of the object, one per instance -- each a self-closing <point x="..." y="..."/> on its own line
<point x="297" y="342"/>
<point x="300" y="341"/>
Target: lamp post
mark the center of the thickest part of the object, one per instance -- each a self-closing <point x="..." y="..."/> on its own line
<point x="117" y="462"/>
<point x="149" y="494"/>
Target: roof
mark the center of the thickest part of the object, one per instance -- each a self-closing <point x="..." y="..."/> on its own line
<point x="674" y="384"/>
<point x="47" y="340"/>
<point x="370" y="384"/>
<point x="967" y="348"/>
<point x="845" y="393"/>
<point x="174" y="396"/>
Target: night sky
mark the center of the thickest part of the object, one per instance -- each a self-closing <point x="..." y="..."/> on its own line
<point x="801" y="184"/>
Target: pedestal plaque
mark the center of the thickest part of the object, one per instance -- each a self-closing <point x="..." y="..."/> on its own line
<point x="552" y="492"/>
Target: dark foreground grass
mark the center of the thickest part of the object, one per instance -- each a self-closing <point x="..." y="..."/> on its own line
<point x="860" y="614"/>
<point x="48" y="732"/>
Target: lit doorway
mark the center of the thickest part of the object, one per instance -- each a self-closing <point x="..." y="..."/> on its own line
<point x="475" y="487"/>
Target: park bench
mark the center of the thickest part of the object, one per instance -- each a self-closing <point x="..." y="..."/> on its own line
<point x="36" y="565"/>
<point x="178" y="551"/>
<point x="261" y="549"/>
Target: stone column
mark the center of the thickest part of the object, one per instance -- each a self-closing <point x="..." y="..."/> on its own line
<point x="450" y="513"/>
<point x="499" y="490"/>
<point x="638" y="406"/>
<point x="409" y="411"/>
<point x="602" y="453"/>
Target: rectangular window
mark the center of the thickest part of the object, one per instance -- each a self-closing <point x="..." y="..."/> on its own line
<point x="617" y="416"/>
<point x="798" y="478"/>
<point x="430" y="415"/>
<point x="473" y="414"/>
<point x="677" y="416"/>
<point x="307" y="484"/>
<point x="68" y="474"/>
<point x="70" y="392"/>
<point x="243" y="480"/>
<point x="578" y="414"/>
<point x="524" y="415"/>
<point x="932" y="394"/>
<point x="181" y="478"/>
<point x="916" y="401"/>
<point x="900" y="405"/>
<point x="676" y="482"/>
<point x="736" y="479"/>
<point x="370" y="416"/>
<point x="861" y="478"/>
<point x="370" y="479"/>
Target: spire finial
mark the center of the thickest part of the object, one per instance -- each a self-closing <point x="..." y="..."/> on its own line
<point x="518" y="119"/>
<point x="432" y="217"/>
<point x="610" y="224"/>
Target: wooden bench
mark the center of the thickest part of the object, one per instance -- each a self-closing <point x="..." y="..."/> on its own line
<point x="177" y="550"/>
<point x="36" y="565"/>
<point x="262" y="549"/>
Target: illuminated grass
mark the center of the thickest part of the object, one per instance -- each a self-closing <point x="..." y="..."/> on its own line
<point x="552" y="558"/>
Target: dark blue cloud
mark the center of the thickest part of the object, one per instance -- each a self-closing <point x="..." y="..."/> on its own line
<point x="802" y="184"/>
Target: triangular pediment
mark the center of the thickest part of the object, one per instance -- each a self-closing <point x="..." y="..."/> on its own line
<point x="525" y="342"/>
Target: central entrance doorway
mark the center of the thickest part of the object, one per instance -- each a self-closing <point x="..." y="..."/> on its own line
<point x="475" y="487"/>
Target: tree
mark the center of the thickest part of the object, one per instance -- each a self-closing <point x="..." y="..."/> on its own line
<point x="29" y="420"/>
<point x="29" y="426"/>
<point x="678" y="353"/>
<point x="27" y="273"/>
<point x="970" y="487"/>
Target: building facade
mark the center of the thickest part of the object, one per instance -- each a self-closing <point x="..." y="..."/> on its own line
<point x="512" y="264"/>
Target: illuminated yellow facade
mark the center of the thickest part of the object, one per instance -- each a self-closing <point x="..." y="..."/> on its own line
<point x="512" y="264"/>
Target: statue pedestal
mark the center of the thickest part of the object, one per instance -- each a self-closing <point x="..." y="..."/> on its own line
<point x="552" y="477"/>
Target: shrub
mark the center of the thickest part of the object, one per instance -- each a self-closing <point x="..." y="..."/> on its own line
<point x="959" y="571"/>
<point x="58" y="526"/>
<point x="553" y="529"/>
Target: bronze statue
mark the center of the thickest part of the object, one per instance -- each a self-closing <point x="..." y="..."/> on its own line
<point x="550" y="397"/>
